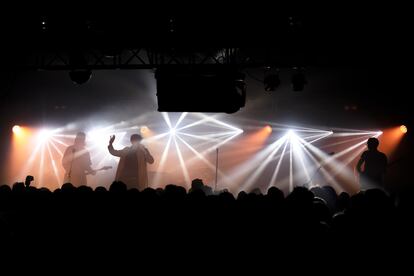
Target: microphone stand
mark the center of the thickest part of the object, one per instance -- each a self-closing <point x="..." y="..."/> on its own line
<point x="215" y="184"/>
<point x="311" y="178"/>
<point x="321" y="164"/>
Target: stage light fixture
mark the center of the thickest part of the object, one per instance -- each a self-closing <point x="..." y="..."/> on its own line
<point x="43" y="23"/>
<point x="17" y="130"/>
<point x="268" y="129"/>
<point x="271" y="80"/>
<point x="144" y="129"/>
<point x="80" y="76"/>
<point x="403" y="129"/>
<point x="290" y="133"/>
<point x="298" y="79"/>
<point x="79" y="73"/>
<point x="44" y="135"/>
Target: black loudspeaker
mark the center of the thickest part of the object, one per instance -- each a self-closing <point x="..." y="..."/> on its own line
<point x="200" y="88"/>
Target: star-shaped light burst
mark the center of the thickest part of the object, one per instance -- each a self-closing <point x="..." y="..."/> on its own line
<point x="191" y="139"/>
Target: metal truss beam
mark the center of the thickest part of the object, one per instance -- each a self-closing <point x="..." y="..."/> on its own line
<point x="141" y="58"/>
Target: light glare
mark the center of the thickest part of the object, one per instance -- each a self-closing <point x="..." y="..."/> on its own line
<point x="17" y="130"/>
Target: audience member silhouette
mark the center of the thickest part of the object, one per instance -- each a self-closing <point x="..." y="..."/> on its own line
<point x="172" y="218"/>
<point x="28" y="180"/>
<point x="197" y="184"/>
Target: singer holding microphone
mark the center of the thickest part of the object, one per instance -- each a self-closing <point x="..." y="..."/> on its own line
<point x="132" y="167"/>
<point x="77" y="162"/>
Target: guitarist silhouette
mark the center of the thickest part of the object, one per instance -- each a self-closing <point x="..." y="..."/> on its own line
<point x="77" y="162"/>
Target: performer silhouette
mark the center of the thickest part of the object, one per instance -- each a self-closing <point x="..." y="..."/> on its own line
<point x="375" y="165"/>
<point x="132" y="167"/>
<point x="77" y="162"/>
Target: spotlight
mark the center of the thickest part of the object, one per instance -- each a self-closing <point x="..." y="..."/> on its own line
<point x="268" y="129"/>
<point x="173" y="131"/>
<point x="17" y="130"/>
<point x="44" y="135"/>
<point x="298" y="79"/>
<point x="379" y="133"/>
<point x="403" y="129"/>
<point x="271" y="80"/>
<point x="144" y="129"/>
<point x="43" y="23"/>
